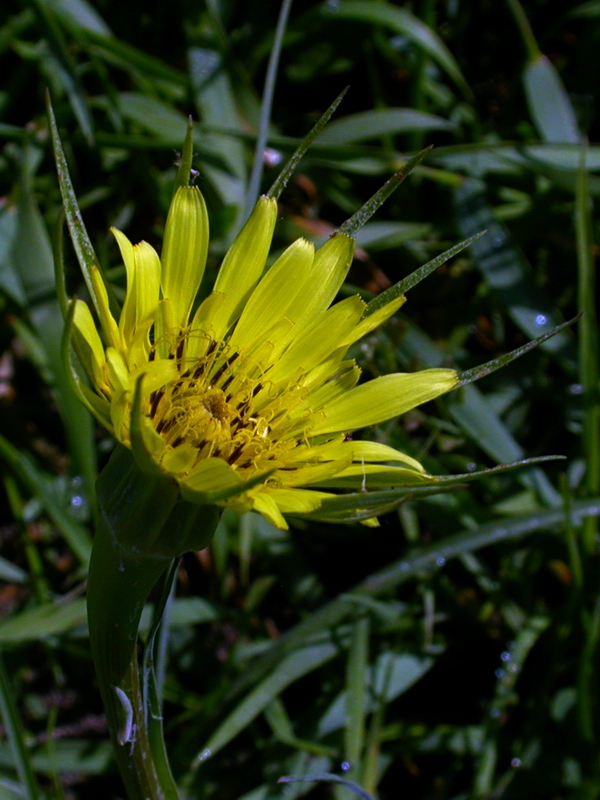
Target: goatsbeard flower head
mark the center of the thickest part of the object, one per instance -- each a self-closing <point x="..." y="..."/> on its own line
<point x="248" y="400"/>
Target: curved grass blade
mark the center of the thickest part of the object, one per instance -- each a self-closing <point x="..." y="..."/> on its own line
<point x="389" y="578"/>
<point x="43" y="621"/>
<point x="418" y="275"/>
<point x="293" y="667"/>
<point x="403" y="22"/>
<point x="265" y="109"/>
<point x="383" y="122"/>
<point x="65" y="67"/>
<point x="288" y="170"/>
<point x="16" y="737"/>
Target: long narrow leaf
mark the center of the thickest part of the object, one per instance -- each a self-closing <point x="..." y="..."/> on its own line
<point x="391" y="577"/>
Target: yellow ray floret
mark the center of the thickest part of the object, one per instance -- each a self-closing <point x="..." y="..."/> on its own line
<point x="248" y="403"/>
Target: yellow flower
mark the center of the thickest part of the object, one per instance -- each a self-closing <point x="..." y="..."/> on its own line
<point x="247" y="402"/>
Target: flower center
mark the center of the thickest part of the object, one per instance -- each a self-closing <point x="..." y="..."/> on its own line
<point x="222" y="407"/>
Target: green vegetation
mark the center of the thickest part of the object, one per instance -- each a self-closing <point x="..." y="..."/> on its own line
<point x="451" y="653"/>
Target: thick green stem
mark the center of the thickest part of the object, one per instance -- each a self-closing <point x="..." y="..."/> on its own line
<point x="117" y="589"/>
<point x="143" y="527"/>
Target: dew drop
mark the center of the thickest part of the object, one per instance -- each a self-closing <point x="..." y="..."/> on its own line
<point x="505" y="656"/>
<point x="541" y="319"/>
<point x="576" y="388"/>
<point x="440" y="561"/>
<point x="515" y="762"/>
<point x="345" y="766"/>
<point x="77" y="501"/>
<point x="271" y="157"/>
<point x="499" y="673"/>
<point x="471" y="467"/>
<point x="206" y="753"/>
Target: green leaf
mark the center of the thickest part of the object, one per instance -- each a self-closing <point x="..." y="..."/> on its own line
<point x="507" y="273"/>
<point x="16" y="737"/>
<point x="41" y="487"/>
<point x="64" y="67"/>
<point x="549" y="104"/>
<point x="292" y="668"/>
<point x="79" y="235"/>
<point x="403" y="22"/>
<point x="385" y="122"/>
<point x="389" y="578"/>
<point x="49" y="619"/>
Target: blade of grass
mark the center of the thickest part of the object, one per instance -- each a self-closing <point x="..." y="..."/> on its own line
<point x="16" y="737"/>
<point x="588" y="346"/>
<point x="64" y="66"/>
<point x="356" y="696"/>
<point x="265" y="110"/>
<point x="388" y="579"/>
<point x="403" y="22"/>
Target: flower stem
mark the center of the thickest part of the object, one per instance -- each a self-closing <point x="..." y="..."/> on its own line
<point x="143" y="527"/>
<point x="114" y="612"/>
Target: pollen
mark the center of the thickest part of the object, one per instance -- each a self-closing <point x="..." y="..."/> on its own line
<point x="222" y="406"/>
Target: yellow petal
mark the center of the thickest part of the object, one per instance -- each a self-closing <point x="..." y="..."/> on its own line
<point x="340" y="384"/>
<point x="244" y="263"/>
<point x="88" y="346"/>
<point x="381" y="399"/>
<point x="268" y="508"/>
<point x="107" y="321"/>
<point x="296" y="501"/>
<point x="184" y="251"/>
<point x="332" y="262"/>
<point x="276" y="295"/>
<point x="361" y="452"/>
<point x="374" y="476"/>
<point x="142" y="265"/>
<point x="319" y="339"/>
<point x="315" y="473"/>
<point x="374" y="451"/>
<point x="373" y="321"/>
<point x="210" y="475"/>
<point x="179" y="460"/>
<point x="118" y="374"/>
<point x="202" y="329"/>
